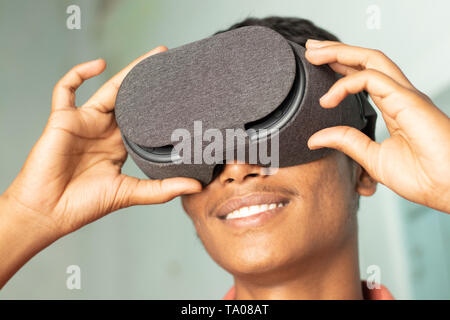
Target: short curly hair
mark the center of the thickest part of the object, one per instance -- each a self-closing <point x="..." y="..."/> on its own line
<point x="294" y="29"/>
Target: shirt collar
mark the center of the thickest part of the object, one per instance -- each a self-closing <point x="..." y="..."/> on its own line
<point x="381" y="293"/>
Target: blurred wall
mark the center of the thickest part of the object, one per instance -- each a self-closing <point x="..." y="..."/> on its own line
<point x="152" y="252"/>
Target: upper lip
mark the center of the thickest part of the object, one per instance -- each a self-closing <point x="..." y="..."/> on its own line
<point x="249" y="200"/>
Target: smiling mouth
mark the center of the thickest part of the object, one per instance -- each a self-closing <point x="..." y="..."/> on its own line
<point x="248" y="211"/>
<point x="252" y="210"/>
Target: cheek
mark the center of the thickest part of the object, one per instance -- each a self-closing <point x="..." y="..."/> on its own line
<point x="331" y="181"/>
<point x="334" y="199"/>
<point x="325" y="206"/>
<point x="192" y="205"/>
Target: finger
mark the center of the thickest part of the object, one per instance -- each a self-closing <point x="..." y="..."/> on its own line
<point x="105" y="97"/>
<point x="343" y="69"/>
<point x="400" y="107"/>
<point x="377" y="84"/>
<point x="357" y="57"/>
<point x="336" y="66"/>
<point x="350" y="141"/>
<point x="315" y="44"/>
<point x="64" y="91"/>
<point x="140" y="192"/>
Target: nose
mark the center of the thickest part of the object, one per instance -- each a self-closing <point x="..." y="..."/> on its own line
<point x="239" y="172"/>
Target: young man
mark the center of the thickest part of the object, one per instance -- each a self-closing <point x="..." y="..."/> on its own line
<point x="299" y="237"/>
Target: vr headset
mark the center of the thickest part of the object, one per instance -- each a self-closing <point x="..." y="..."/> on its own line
<point x="250" y="80"/>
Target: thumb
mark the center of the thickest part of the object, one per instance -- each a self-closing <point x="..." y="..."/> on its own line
<point x="141" y="192"/>
<point x="350" y="141"/>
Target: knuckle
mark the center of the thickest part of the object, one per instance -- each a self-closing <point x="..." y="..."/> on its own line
<point x="121" y="198"/>
<point x="347" y="134"/>
<point x="374" y="57"/>
<point x="76" y="67"/>
<point x="162" y="48"/>
<point x="377" y="53"/>
<point x="58" y="85"/>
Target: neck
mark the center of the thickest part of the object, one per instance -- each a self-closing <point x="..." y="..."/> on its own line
<point x="332" y="274"/>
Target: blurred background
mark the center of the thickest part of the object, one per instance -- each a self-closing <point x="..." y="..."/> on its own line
<point x="152" y="252"/>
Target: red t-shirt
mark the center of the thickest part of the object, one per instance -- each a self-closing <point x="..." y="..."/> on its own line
<point x="368" y="294"/>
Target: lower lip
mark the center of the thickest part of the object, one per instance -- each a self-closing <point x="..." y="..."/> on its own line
<point x="255" y="220"/>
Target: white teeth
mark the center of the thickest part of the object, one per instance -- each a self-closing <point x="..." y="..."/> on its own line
<point x="253" y="209"/>
<point x="249" y="211"/>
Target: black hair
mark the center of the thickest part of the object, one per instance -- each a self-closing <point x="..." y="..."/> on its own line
<point x="294" y="29"/>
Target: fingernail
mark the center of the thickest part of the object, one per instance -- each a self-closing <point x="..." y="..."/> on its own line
<point x="312" y="146"/>
<point x="312" y="43"/>
<point x="314" y="142"/>
<point x="324" y="97"/>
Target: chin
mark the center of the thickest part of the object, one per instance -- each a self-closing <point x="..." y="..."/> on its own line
<point x="253" y="261"/>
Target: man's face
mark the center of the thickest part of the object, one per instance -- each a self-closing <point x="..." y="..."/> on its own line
<point x="304" y="211"/>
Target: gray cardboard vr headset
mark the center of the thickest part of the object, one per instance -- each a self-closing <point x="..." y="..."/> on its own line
<point x="244" y="95"/>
